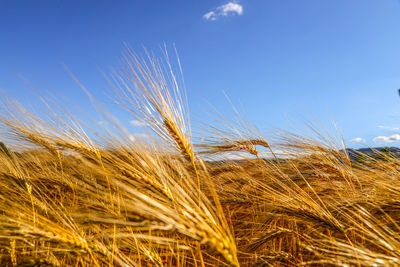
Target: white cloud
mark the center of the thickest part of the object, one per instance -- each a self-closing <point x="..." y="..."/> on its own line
<point x="242" y="155"/>
<point x="388" y="128"/>
<point x="278" y="152"/>
<point x="138" y="136"/>
<point x="210" y="16"/>
<point x="357" y="140"/>
<point x="229" y="9"/>
<point x="101" y="123"/>
<point x="138" y="123"/>
<point x="387" y="139"/>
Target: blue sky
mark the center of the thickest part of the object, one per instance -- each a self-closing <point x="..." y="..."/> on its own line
<point x="280" y="61"/>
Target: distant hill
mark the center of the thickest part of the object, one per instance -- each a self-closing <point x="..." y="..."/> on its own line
<point x="370" y="151"/>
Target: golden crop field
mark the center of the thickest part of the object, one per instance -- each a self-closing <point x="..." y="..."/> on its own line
<point x="73" y="198"/>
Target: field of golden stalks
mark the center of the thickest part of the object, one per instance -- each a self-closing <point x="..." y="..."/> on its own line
<point x="77" y="198"/>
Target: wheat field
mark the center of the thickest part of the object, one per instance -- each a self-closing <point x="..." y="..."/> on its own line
<point x="73" y="197"/>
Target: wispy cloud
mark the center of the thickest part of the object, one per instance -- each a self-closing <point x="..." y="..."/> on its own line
<point x="357" y="140"/>
<point x="102" y="123"/>
<point x="138" y="123"/>
<point x="138" y="137"/>
<point x="388" y="128"/>
<point x="387" y="139"/>
<point x="282" y="154"/>
<point x="229" y="9"/>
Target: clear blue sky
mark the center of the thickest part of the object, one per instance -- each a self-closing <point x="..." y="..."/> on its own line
<point x="279" y="60"/>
